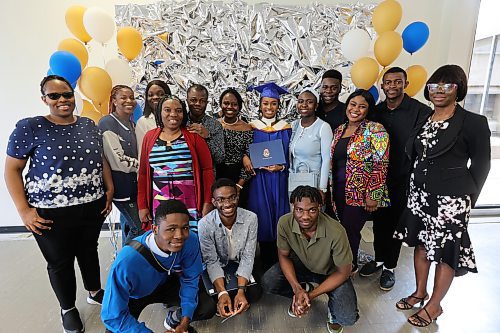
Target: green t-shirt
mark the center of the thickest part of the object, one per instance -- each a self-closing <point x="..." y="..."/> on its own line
<point x="324" y="252"/>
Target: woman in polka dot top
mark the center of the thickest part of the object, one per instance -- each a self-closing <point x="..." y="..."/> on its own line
<point x="65" y="195"/>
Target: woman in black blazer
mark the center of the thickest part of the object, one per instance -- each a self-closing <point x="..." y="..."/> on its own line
<point x="450" y="153"/>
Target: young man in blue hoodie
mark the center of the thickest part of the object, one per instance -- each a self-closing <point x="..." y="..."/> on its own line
<point x="161" y="266"/>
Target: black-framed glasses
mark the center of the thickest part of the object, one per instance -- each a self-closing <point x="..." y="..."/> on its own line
<point x="56" y="96"/>
<point x="231" y="199"/>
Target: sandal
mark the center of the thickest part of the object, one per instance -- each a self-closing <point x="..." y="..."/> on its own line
<point x="404" y="305"/>
<point x="420" y="321"/>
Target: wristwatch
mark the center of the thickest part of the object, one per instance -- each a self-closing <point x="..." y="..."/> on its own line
<point x="244" y="288"/>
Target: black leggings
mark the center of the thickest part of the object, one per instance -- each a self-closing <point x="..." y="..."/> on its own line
<point x="73" y="234"/>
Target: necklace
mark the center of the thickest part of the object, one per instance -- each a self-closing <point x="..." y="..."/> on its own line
<point x="230" y="124"/>
<point x="446" y="118"/>
<point x="163" y="267"/>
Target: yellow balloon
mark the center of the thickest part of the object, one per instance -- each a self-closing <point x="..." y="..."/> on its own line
<point x="387" y="16"/>
<point x="381" y="75"/>
<point x="95" y="83"/>
<point x="76" y="48"/>
<point x="129" y="42"/>
<point x="417" y="76"/>
<point x="364" y="72"/>
<point x="74" y="22"/>
<point x="387" y="47"/>
<point x="90" y="111"/>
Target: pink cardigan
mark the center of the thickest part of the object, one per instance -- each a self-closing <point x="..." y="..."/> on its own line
<point x="202" y="169"/>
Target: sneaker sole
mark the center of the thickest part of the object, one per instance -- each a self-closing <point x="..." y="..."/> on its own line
<point x="367" y="275"/>
<point x="91" y="301"/>
<point x="330" y="331"/>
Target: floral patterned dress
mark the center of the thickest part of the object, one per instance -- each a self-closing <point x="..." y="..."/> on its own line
<point x="438" y="222"/>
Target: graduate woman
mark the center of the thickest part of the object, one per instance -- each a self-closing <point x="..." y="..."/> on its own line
<point x="268" y="190"/>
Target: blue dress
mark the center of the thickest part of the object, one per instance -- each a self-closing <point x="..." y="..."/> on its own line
<point x="268" y="191"/>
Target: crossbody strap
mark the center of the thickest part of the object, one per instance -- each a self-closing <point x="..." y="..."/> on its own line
<point x="146" y="254"/>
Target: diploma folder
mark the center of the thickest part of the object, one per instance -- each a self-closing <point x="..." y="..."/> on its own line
<point x="267" y="153"/>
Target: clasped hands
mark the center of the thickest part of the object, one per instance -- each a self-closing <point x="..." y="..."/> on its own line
<point x="301" y="303"/>
<point x="226" y="308"/>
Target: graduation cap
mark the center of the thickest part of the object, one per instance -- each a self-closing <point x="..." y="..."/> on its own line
<point x="270" y="89"/>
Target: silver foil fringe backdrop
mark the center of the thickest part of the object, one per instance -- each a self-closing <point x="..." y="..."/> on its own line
<point x="235" y="44"/>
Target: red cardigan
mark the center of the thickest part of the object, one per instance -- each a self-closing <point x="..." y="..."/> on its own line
<point x="202" y="169"/>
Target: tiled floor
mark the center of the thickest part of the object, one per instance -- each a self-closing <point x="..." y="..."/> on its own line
<point x="27" y="303"/>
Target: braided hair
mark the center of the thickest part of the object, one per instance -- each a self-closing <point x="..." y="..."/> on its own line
<point x="306" y="192"/>
<point x="157" y="112"/>
<point x="114" y="91"/>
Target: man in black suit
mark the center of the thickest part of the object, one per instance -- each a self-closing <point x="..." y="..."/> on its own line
<point x="399" y="114"/>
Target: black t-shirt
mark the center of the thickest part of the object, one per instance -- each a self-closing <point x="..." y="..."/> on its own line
<point x="335" y="117"/>
<point x="340" y="154"/>
<point x="399" y="124"/>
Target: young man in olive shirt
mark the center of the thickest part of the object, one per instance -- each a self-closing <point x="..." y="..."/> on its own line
<point x="312" y="247"/>
<point x="399" y="114"/>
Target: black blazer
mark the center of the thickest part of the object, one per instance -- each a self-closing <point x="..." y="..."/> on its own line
<point x="466" y="139"/>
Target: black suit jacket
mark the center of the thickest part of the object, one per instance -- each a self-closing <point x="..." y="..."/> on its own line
<point x="466" y="139"/>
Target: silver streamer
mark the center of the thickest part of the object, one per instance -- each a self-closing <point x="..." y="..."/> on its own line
<point x="235" y="44"/>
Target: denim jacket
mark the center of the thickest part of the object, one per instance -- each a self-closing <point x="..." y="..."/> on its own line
<point x="214" y="243"/>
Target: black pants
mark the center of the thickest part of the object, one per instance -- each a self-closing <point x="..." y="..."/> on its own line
<point x="268" y="255"/>
<point x="168" y="293"/>
<point x="73" y="234"/>
<point x="385" y="221"/>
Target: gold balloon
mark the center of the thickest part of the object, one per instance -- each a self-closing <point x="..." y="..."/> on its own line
<point x="89" y="111"/>
<point x="387" y="16"/>
<point x="381" y="75"/>
<point x="417" y="76"/>
<point x="74" y="22"/>
<point x="76" y="48"/>
<point x="102" y="107"/>
<point x="129" y="42"/>
<point x="387" y="47"/>
<point x="95" y="83"/>
<point x="364" y="72"/>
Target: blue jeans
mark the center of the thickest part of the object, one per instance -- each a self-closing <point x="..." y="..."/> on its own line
<point x="129" y="220"/>
<point x="342" y="301"/>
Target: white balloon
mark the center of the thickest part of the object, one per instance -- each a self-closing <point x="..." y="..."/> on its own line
<point x="78" y="103"/>
<point x="99" y="24"/>
<point x="355" y="44"/>
<point x="120" y="71"/>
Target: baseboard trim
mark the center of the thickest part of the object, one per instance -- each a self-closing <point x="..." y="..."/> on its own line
<point x="21" y="229"/>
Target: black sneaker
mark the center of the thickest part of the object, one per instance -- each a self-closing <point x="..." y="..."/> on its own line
<point x="96" y="299"/>
<point x="71" y="321"/>
<point x="387" y="280"/>
<point x="370" y="268"/>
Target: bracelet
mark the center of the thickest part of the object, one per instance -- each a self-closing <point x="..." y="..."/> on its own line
<point x="224" y="292"/>
<point x="239" y="186"/>
<point x="244" y="288"/>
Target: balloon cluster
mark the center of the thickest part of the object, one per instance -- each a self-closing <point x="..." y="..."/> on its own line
<point x="366" y="70"/>
<point x="72" y="56"/>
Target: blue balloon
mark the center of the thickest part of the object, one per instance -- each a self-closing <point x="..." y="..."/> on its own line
<point x="49" y="72"/>
<point x="374" y="91"/>
<point x="415" y="36"/>
<point x="137" y="113"/>
<point x="65" y="64"/>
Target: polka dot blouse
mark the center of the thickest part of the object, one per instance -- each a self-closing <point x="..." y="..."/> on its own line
<point x="65" y="161"/>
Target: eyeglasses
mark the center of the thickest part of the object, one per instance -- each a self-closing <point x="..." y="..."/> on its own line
<point x="231" y="199"/>
<point x="56" y="96"/>
<point x="312" y="210"/>
<point x="445" y="87"/>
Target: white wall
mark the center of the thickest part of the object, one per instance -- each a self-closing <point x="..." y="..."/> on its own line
<point x="30" y="34"/>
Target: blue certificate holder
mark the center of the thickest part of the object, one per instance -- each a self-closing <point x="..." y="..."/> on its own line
<point x="267" y="153"/>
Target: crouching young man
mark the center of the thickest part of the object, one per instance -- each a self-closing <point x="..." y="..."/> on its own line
<point x="161" y="266"/>
<point x="313" y="248"/>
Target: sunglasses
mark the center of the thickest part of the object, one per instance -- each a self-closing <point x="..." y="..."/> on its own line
<point x="436" y="87"/>
<point x="56" y="96"/>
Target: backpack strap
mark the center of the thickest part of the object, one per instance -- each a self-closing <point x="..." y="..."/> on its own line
<point x="146" y="253"/>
